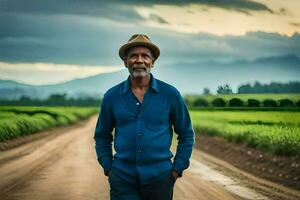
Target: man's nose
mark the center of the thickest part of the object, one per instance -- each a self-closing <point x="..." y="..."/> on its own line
<point x="139" y="59"/>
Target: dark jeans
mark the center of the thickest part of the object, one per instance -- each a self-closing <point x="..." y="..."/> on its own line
<point x="159" y="190"/>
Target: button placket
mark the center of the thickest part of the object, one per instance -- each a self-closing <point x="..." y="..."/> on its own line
<point x="138" y="141"/>
<point x="139" y="108"/>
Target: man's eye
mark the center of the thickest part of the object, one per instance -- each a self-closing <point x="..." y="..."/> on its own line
<point x="132" y="56"/>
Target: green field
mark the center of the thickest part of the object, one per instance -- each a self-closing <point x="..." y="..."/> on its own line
<point x="18" y="121"/>
<point x="274" y="131"/>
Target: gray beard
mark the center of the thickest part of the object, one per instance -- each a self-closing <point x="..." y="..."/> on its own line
<point x="139" y="74"/>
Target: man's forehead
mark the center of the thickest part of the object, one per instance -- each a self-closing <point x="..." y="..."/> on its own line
<point x="137" y="49"/>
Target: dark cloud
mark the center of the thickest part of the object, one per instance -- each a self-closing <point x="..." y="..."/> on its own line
<point x="261" y="44"/>
<point x="59" y="39"/>
<point x="238" y="5"/>
<point x="119" y="9"/>
<point x="244" y="11"/>
<point x="96" y="8"/>
<point x="284" y="11"/>
<point x="73" y="39"/>
<point x="158" y="19"/>
<point x="295" y="24"/>
<point x="90" y="32"/>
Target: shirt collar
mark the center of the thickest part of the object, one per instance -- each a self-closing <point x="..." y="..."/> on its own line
<point x="153" y="84"/>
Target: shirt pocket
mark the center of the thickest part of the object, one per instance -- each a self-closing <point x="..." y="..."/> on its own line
<point x="157" y="120"/>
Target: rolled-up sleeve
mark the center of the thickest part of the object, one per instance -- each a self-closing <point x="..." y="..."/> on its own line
<point x="103" y="135"/>
<point x="181" y="121"/>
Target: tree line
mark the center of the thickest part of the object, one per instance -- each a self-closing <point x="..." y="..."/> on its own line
<point x="291" y="87"/>
<point x="259" y="88"/>
<point x="53" y="100"/>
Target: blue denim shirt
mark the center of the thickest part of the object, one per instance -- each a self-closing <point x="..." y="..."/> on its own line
<point x="143" y="131"/>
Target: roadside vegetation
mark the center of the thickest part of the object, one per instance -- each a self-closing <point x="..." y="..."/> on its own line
<point x="18" y="121"/>
<point x="274" y="131"/>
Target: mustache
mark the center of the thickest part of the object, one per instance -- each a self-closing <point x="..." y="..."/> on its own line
<point x="139" y="67"/>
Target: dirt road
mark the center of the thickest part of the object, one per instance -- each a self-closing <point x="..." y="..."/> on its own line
<point x="63" y="166"/>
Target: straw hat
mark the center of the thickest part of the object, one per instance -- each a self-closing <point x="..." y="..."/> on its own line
<point x="139" y="40"/>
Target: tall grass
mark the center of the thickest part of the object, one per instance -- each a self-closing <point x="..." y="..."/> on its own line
<point x="19" y="121"/>
<point x="277" y="132"/>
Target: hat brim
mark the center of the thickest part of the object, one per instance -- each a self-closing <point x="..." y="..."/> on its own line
<point x="155" y="50"/>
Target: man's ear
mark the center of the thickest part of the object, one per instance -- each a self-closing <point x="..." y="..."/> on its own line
<point x="153" y="63"/>
<point x="125" y="63"/>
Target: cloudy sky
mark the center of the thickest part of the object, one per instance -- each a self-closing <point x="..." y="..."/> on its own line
<point x="44" y="42"/>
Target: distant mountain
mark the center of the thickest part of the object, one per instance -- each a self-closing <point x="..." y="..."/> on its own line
<point x="187" y="77"/>
<point x="12" y="84"/>
<point x="14" y="90"/>
<point x="289" y="61"/>
<point x="94" y="86"/>
<point x="193" y="77"/>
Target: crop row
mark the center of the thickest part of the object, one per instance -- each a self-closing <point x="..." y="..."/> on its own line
<point x="19" y="121"/>
<point x="277" y="132"/>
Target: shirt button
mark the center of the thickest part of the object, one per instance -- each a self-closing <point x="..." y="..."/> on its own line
<point x="137" y="103"/>
<point x="140" y="150"/>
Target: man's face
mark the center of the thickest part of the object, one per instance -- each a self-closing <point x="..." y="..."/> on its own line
<point x="139" y="61"/>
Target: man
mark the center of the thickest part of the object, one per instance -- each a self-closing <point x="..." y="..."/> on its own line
<point x="143" y="111"/>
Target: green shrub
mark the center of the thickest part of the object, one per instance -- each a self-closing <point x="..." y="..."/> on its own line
<point x="298" y="103"/>
<point x="236" y="102"/>
<point x="286" y="103"/>
<point x="269" y="103"/>
<point x="253" y="103"/>
<point x="218" y="102"/>
<point x="200" y="102"/>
